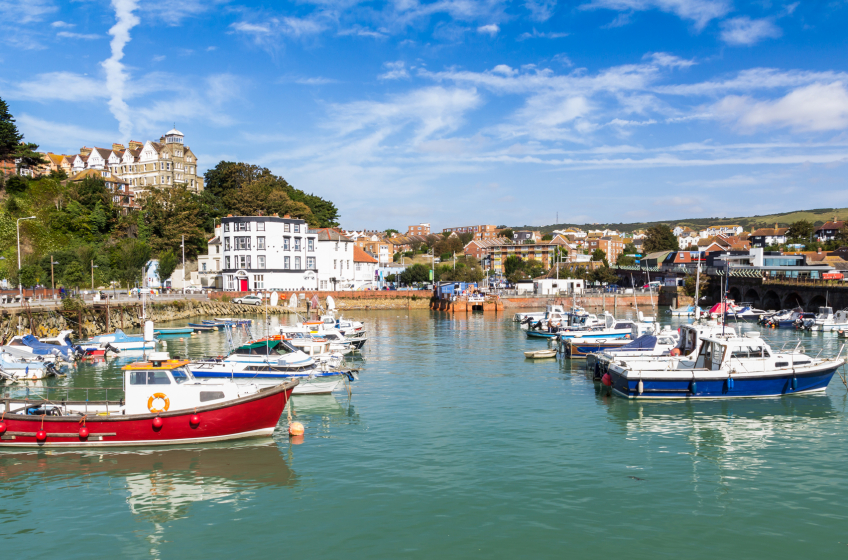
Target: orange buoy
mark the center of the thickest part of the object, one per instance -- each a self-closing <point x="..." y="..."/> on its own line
<point x="675" y="351"/>
<point x="296" y="429"/>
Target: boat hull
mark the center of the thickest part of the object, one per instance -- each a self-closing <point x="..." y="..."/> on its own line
<point x="307" y="385"/>
<point x="540" y="334"/>
<point x="578" y="350"/>
<point x="681" y="387"/>
<point x="252" y="416"/>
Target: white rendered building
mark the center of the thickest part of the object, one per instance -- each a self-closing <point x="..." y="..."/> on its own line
<point x="268" y="253"/>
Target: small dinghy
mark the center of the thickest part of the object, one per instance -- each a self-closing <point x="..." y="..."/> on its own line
<point x="536" y="354"/>
<point x="180" y="330"/>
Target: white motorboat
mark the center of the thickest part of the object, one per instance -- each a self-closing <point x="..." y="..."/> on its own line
<point x="826" y="320"/>
<point x="269" y="362"/>
<point x="536" y="354"/>
<point x="725" y="367"/>
<point x="684" y="311"/>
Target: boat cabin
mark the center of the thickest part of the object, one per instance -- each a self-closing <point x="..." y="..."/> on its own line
<point x="162" y="384"/>
<point x="691" y="337"/>
<point x="744" y="354"/>
<point x="270" y="347"/>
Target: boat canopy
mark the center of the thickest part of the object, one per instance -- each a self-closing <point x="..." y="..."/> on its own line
<point x="262" y="348"/>
<point x="644" y="342"/>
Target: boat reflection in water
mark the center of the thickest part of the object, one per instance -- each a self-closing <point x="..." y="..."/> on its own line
<point x="322" y="411"/>
<point x="734" y="435"/>
<point x="163" y="483"/>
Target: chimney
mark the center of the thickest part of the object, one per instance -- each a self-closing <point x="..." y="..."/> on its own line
<point x="118" y="147"/>
<point x="775" y="226"/>
<point x="286" y="217"/>
<point x="85" y="151"/>
<point x="135" y="145"/>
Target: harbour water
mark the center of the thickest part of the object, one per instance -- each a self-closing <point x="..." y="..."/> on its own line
<point x="452" y="445"/>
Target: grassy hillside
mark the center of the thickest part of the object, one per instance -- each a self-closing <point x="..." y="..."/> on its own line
<point x="817" y="216"/>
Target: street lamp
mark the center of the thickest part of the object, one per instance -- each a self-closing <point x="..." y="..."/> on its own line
<point x="18" y="228"/>
<point x="52" y="281"/>
<point x="93" y="266"/>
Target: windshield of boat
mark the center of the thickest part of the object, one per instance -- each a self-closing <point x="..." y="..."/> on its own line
<point x="688" y="341"/>
<point x="181" y="375"/>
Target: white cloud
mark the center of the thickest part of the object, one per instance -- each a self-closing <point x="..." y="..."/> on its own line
<point x="813" y="108"/>
<point x="70" y="35"/>
<point x="492" y="29"/>
<point x="541" y="10"/>
<point x="62" y="24"/>
<point x="394" y="71"/>
<point x="315" y="81"/>
<point x="61" y="136"/>
<point x="700" y="12"/>
<point x="746" y="31"/>
<point x="59" y="86"/>
<point x="541" y="35"/>
<point x="116" y="78"/>
<point x="23" y="12"/>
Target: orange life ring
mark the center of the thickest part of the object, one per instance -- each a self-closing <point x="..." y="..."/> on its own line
<point x="675" y="351"/>
<point x="155" y="396"/>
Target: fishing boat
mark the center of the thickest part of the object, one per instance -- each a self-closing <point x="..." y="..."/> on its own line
<point x="29" y="347"/>
<point x="202" y="328"/>
<point x="117" y="341"/>
<point x="537" y="354"/>
<point x="726" y="367"/>
<point x="825" y="321"/>
<point x="180" y="330"/>
<point x="684" y="311"/>
<point x="784" y="319"/>
<point x="689" y="339"/>
<point x="642" y="336"/>
<point x="315" y="346"/>
<point x="612" y="328"/>
<point x="14" y="369"/>
<point x="270" y="361"/>
<point x="232" y="321"/>
<point x="163" y="404"/>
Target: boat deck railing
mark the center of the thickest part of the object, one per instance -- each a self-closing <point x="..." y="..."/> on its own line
<point x="61" y="395"/>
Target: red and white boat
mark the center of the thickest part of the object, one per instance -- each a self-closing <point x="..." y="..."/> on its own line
<point x="164" y="405"/>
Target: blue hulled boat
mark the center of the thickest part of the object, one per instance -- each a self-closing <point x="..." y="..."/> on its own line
<point x="726" y="367"/>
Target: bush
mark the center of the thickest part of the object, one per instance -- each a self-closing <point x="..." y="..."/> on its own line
<point x="73" y="304"/>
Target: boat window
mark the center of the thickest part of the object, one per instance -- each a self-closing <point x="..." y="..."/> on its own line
<point x="781" y="364"/>
<point x="149" y="378"/>
<point x="211" y="395"/>
<point x="180" y="375"/>
<point x="624" y="326"/>
<point x="158" y="378"/>
<point x="741" y="352"/>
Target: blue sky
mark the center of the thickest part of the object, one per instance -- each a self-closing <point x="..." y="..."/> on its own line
<point x="458" y="112"/>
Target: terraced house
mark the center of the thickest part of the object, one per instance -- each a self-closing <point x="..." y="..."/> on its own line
<point x="146" y="165"/>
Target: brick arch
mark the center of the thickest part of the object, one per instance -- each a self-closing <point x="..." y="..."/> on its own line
<point x="816" y="302"/>
<point x="793" y="299"/>
<point x="753" y="296"/>
<point x="735" y="294"/>
<point x="771" y="300"/>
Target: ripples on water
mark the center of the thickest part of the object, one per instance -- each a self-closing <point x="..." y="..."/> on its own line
<point x="453" y="445"/>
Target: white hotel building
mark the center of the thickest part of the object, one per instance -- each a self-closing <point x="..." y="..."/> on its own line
<point x="273" y="253"/>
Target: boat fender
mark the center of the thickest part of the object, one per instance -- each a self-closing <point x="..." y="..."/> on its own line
<point x="2" y="427"/>
<point x="155" y="396"/>
<point x="640" y="387"/>
<point x="296" y="429"/>
<point x="794" y="383"/>
<point x="693" y="387"/>
<point x="157" y="423"/>
<point x="41" y="435"/>
<point x="83" y="432"/>
<point x="606" y="380"/>
<point x="349" y="375"/>
<point x="675" y="351"/>
<point x="194" y="420"/>
<point x="729" y="383"/>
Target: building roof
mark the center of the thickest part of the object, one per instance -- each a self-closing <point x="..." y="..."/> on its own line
<point x="97" y="173"/>
<point x="831" y="225"/>
<point x="361" y="256"/>
<point x="174" y="132"/>
<point x="329" y="234"/>
<point x="769" y="232"/>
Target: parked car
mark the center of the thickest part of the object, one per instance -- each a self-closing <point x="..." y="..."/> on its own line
<point x="193" y="290"/>
<point x="249" y="300"/>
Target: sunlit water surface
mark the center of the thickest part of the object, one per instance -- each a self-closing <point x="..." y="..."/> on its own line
<point x="454" y="446"/>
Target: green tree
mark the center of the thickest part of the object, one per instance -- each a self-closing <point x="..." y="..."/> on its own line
<point x="508" y="233"/>
<point x="802" y="229"/>
<point x="598" y="255"/>
<point x="128" y="260"/>
<point x="689" y="286"/>
<point x="16" y="185"/>
<point x="623" y="259"/>
<point x="74" y="274"/>
<point x="390" y="231"/>
<point x="452" y="244"/>
<point x="512" y="264"/>
<point x="466" y="238"/>
<point x="167" y="264"/>
<point x="415" y="273"/>
<point x="660" y="238"/>
<point x="604" y="275"/>
<point x="547" y="237"/>
<point x="170" y="214"/>
<point x="11" y="141"/>
<point x="10" y="137"/>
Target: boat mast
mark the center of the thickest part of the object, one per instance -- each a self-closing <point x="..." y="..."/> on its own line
<point x="724" y="293"/>
<point x="698" y="288"/>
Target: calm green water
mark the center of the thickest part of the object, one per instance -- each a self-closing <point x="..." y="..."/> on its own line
<point x="454" y="446"/>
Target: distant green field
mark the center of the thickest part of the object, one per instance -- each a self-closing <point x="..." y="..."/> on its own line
<point x="818" y="216"/>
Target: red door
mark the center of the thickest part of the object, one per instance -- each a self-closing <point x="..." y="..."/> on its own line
<point x="243" y="284"/>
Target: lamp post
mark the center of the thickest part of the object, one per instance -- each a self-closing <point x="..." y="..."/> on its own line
<point x="93" y="266"/>
<point x="52" y="280"/>
<point x="18" y="228"/>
